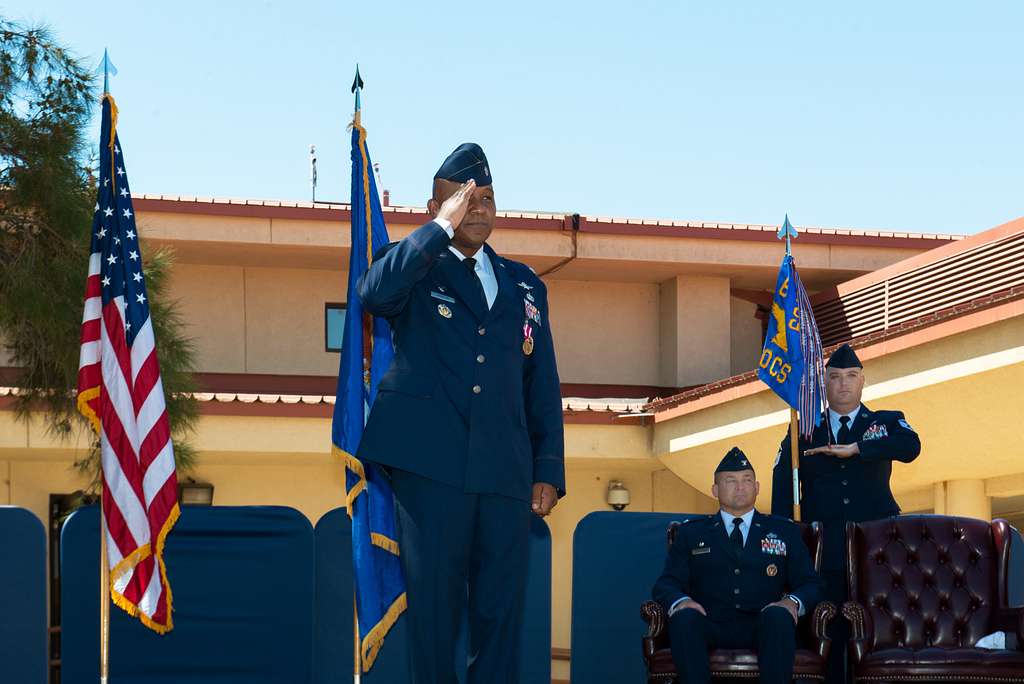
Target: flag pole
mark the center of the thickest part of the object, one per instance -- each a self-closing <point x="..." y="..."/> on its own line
<point x="794" y="452"/>
<point x="104" y="600"/>
<point x="794" y="431"/>
<point x="357" y="665"/>
<point x="108" y="68"/>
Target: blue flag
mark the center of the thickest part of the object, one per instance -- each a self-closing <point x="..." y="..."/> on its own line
<point x="791" y="362"/>
<point x="366" y="353"/>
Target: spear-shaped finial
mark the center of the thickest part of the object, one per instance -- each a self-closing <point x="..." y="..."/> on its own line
<point x="786" y="232"/>
<point x="108" y="69"/>
<point x="357" y="87"/>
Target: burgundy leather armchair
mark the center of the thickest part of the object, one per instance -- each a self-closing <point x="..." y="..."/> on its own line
<point x="812" y="647"/>
<point x="923" y="590"/>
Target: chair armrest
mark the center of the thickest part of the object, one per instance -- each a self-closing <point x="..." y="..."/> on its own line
<point x="1012" y="620"/>
<point x="861" y="630"/>
<point x="657" y="634"/>
<point x="823" y="614"/>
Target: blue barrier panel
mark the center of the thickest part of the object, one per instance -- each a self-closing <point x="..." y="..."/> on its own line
<point x="242" y="579"/>
<point x="333" y="646"/>
<point x="616" y="557"/>
<point x="22" y="596"/>
<point x="1016" y="580"/>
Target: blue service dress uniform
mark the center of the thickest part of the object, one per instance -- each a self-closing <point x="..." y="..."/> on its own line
<point x="467" y="419"/>
<point x="734" y="586"/>
<point x="835" y="491"/>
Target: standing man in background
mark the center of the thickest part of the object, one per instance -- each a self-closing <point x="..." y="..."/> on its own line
<point x="468" y="421"/>
<point x="844" y="477"/>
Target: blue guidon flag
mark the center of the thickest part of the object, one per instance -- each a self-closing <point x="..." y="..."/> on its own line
<point x="791" y="362"/>
<point x="366" y="353"/>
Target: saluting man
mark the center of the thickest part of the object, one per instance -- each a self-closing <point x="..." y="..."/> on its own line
<point x="737" y="579"/>
<point x="468" y="420"/>
<point x="844" y="476"/>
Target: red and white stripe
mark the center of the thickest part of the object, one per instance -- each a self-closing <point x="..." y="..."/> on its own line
<point x="120" y="391"/>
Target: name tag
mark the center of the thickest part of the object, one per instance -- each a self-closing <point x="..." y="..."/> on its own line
<point x="443" y="298"/>
<point x="700" y="551"/>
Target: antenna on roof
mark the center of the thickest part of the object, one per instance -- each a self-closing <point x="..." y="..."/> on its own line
<point x="312" y="169"/>
<point x="376" y="172"/>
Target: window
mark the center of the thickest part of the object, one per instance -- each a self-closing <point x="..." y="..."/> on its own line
<point x="334" y="326"/>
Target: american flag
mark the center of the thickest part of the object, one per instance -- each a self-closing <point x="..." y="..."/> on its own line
<point x="120" y="392"/>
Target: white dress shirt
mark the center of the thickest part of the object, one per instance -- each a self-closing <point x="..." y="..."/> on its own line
<point x="835" y="423"/>
<point x="747" y="517"/>
<point x="484" y="269"/>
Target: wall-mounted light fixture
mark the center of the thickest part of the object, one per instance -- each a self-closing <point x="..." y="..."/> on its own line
<point x="618" y="495"/>
<point x="194" y="493"/>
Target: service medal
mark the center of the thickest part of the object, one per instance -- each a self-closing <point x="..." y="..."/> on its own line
<point x="444" y="310"/>
<point x="772" y="570"/>
<point x="527" y="338"/>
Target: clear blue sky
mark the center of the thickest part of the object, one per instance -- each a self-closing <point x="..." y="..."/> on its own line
<point x="906" y="116"/>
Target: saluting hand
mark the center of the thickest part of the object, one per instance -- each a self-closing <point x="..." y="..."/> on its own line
<point x="837" y="450"/>
<point x="544" y="498"/>
<point x="455" y="207"/>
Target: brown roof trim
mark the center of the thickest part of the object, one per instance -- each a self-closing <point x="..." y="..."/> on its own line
<point x="761" y="233"/>
<point x="279" y="409"/>
<point x="540" y="221"/>
<point x="311" y="396"/>
<point x="602" y="418"/>
<point x="256" y="383"/>
<point x="301" y="410"/>
<point x="598" y="391"/>
<point x="260" y="383"/>
<point x="336" y="213"/>
<point x="275" y="410"/>
<point x="1006" y="304"/>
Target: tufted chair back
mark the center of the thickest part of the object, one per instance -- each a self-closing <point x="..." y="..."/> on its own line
<point x="927" y="580"/>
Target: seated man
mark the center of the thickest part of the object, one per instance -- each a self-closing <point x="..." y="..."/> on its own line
<point x="737" y="579"/>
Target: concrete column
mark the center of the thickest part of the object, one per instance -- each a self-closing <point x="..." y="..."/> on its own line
<point x="968" y="498"/>
<point x="940" y="498"/>
<point x="694" y="313"/>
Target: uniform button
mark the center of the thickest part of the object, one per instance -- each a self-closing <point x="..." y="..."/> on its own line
<point x="481" y="359"/>
<point x="737" y="605"/>
<point x="736" y="571"/>
<point x="845" y="483"/>
<point x="842" y="466"/>
<point x="846" y="501"/>
<point x="735" y="591"/>
<point x="481" y="330"/>
<point x="477" y="389"/>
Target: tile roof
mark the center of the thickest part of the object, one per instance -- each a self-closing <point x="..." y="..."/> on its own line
<point x="629" y="405"/>
<point x="588" y="223"/>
